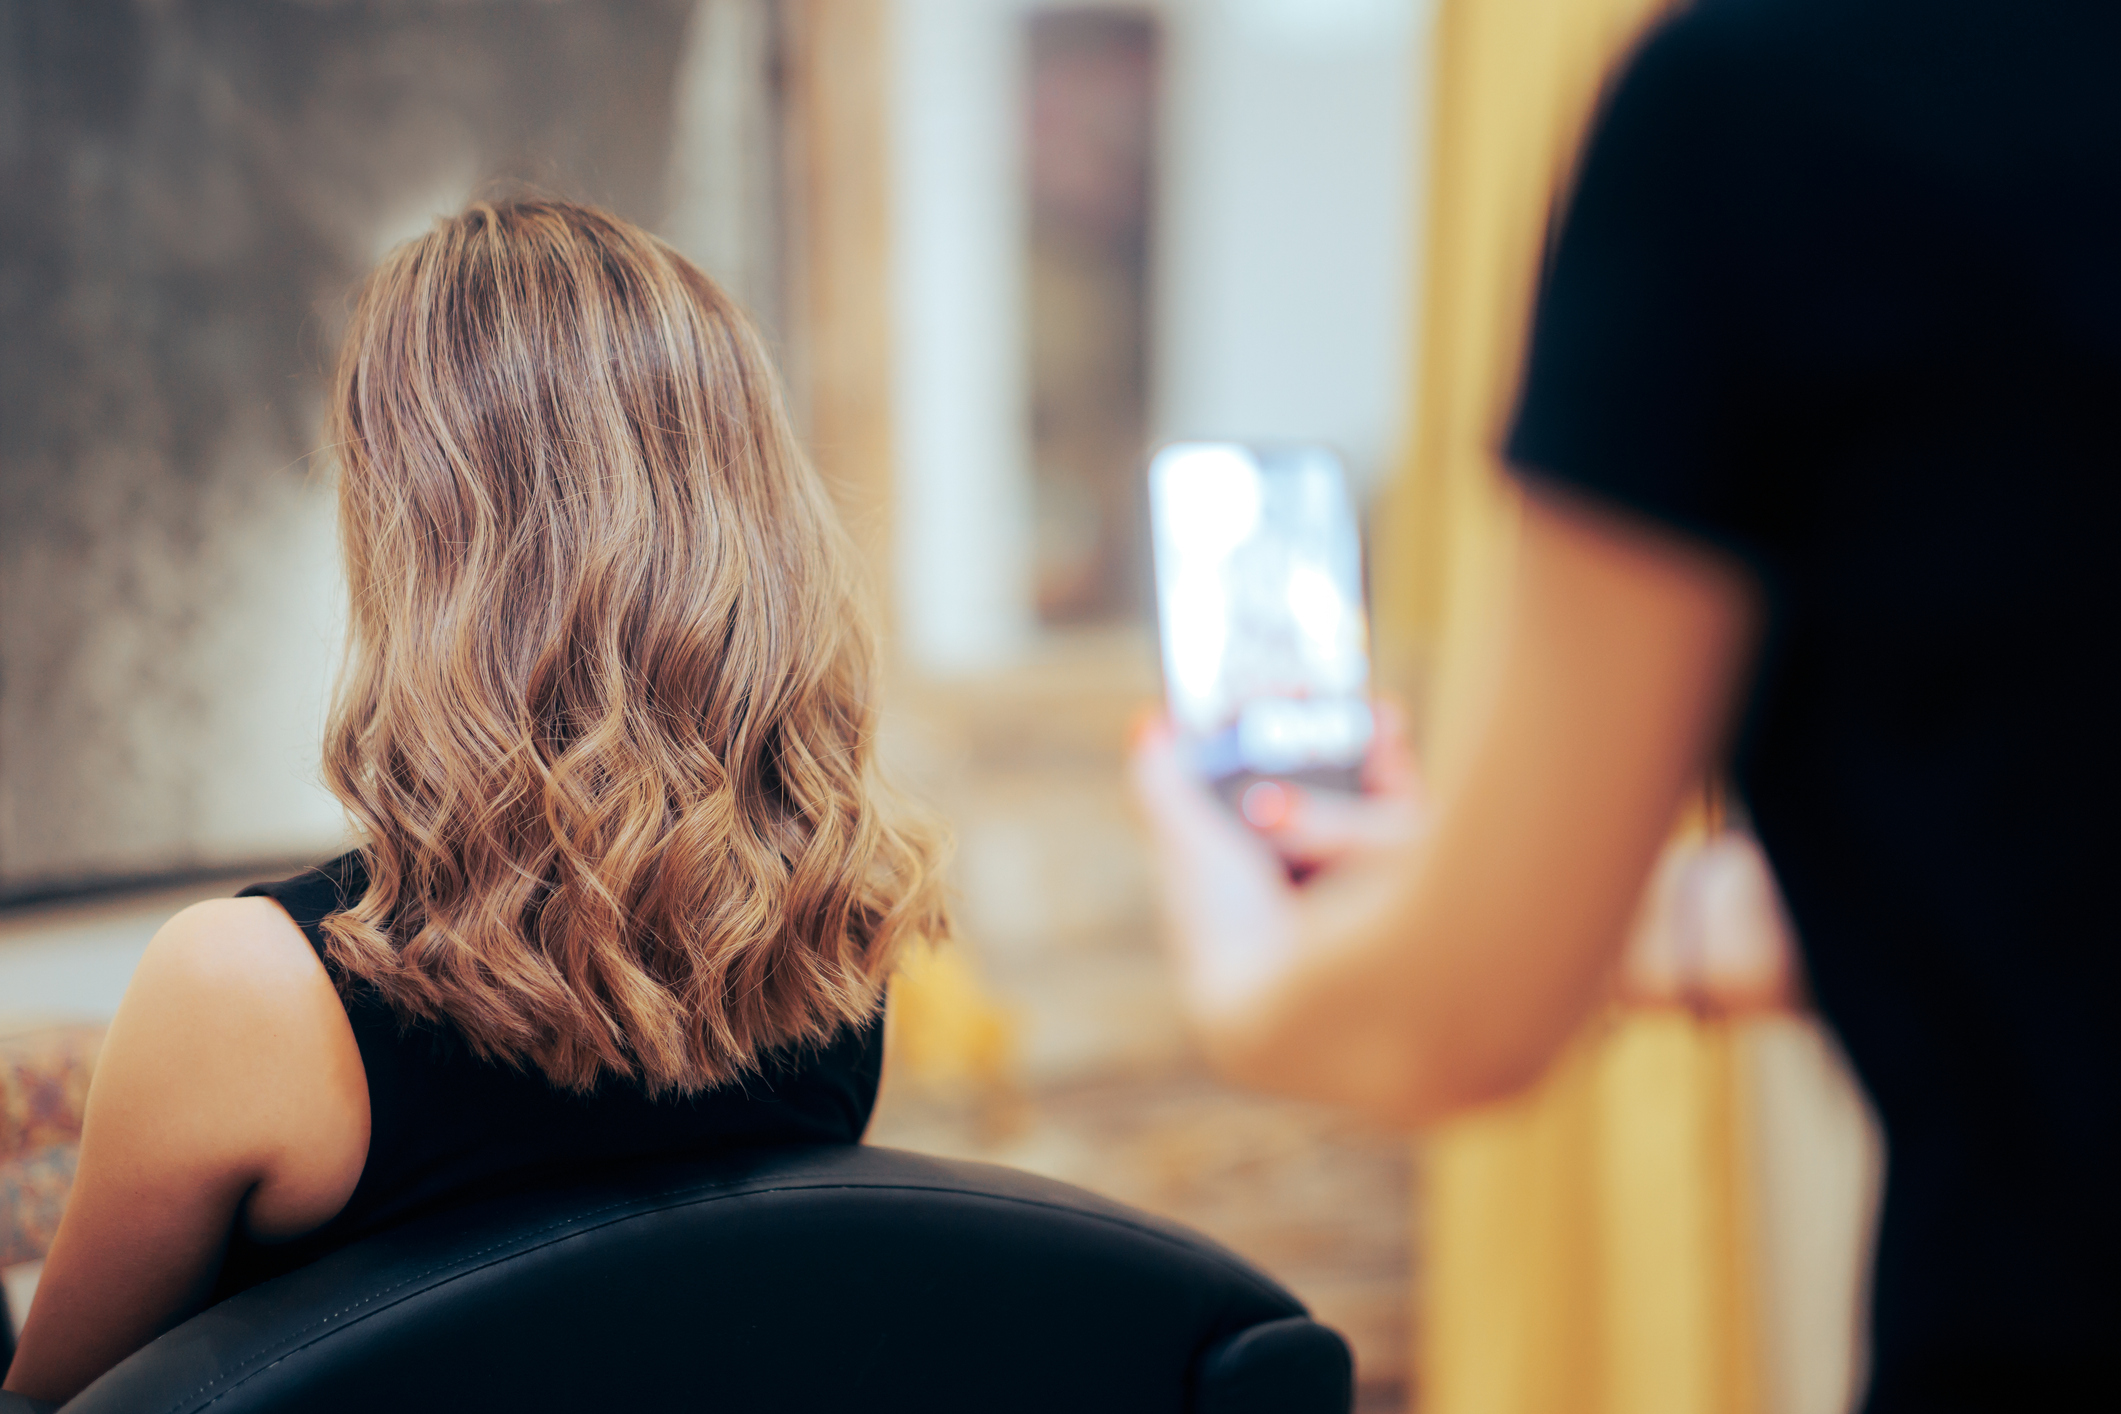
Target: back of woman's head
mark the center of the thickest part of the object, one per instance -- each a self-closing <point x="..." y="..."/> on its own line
<point x="607" y="715"/>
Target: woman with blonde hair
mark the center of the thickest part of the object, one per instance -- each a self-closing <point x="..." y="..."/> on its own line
<point x="628" y="885"/>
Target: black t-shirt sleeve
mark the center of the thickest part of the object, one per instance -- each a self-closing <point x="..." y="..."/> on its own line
<point x="1638" y="387"/>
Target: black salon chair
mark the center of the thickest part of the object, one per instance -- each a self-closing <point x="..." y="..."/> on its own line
<point x="836" y="1280"/>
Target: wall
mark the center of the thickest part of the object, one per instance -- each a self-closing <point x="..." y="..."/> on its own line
<point x="963" y="535"/>
<point x="192" y="191"/>
<point x="1294" y="163"/>
<point x="1288" y="199"/>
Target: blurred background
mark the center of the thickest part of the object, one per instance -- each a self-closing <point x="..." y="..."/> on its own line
<point x="1001" y="248"/>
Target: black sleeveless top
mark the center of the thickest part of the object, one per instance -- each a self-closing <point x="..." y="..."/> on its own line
<point x="445" y="1126"/>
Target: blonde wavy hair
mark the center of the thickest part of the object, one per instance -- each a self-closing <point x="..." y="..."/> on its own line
<point x="607" y="718"/>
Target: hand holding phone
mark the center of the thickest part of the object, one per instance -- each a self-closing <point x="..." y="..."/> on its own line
<point x="1260" y="605"/>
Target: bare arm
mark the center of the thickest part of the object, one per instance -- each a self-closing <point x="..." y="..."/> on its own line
<point x="1445" y="964"/>
<point x="229" y="1090"/>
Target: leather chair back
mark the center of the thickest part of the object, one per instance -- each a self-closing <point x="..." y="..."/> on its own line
<point x="831" y="1280"/>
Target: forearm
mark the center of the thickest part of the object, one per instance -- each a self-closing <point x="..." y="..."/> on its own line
<point x="1447" y="968"/>
<point x="126" y="1265"/>
<point x="1425" y="1001"/>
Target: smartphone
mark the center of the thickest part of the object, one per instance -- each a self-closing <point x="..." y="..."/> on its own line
<point x="1266" y="643"/>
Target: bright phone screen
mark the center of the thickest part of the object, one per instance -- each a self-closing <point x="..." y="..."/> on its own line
<point x="1259" y="594"/>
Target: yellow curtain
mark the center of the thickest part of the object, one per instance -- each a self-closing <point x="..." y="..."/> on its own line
<point x="1586" y="1244"/>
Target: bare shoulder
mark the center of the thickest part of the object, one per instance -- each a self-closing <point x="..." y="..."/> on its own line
<point x="232" y="1022"/>
<point x="232" y="988"/>
<point x="238" y="948"/>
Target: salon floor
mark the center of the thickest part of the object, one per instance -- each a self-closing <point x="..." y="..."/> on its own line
<point x="1099" y="1086"/>
<point x="1091" y="1079"/>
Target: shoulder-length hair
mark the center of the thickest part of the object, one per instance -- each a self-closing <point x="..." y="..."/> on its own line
<point x="606" y="722"/>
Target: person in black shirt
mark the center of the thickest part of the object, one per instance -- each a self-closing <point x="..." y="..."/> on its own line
<point x="1817" y="436"/>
